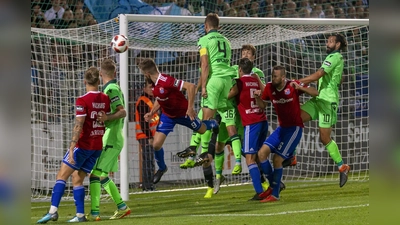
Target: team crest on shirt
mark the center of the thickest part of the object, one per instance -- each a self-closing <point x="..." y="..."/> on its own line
<point x="161" y="90"/>
<point x="287" y="91"/>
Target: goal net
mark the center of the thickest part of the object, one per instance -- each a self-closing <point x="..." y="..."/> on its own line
<point x="59" y="58"/>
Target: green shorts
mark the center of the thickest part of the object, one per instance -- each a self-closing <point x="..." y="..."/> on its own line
<point x="223" y="135"/>
<point x="217" y="93"/>
<point x="108" y="160"/>
<point x="324" y="111"/>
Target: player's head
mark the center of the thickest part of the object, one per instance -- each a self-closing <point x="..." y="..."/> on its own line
<point x="245" y="66"/>
<point x="92" y="76"/>
<point x="148" y="87"/>
<point x="148" y="67"/>
<point x="249" y="51"/>
<point x="336" y="42"/>
<point x="278" y="75"/>
<point x="211" y="22"/>
<point x="108" y="68"/>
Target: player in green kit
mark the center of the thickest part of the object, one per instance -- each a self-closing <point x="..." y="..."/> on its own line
<point x="324" y="106"/>
<point x="113" y="142"/>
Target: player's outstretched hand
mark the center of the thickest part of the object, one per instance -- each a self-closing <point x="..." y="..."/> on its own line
<point x="191" y="113"/>
<point x="295" y="85"/>
<point x="203" y="92"/>
<point x="257" y="93"/>
<point x="101" y="116"/>
<point x="147" y="117"/>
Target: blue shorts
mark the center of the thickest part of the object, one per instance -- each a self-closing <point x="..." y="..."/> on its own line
<point x="167" y="124"/>
<point x="254" y="137"/>
<point x="284" y="140"/>
<point x="84" y="159"/>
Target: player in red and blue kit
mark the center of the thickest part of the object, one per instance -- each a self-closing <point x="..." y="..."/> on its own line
<point x="253" y="118"/>
<point x="284" y="95"/>
<point x="85" y="147"/>
<point x="176" y="109"/>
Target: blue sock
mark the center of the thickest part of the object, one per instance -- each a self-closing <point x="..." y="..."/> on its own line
<point x="255" y="177"/>
<point x="58" y="192"/>
<point x="159" y="157"/>
<point x="277" y="181"/>
<point x="79" y="197"/>
<point x="266" y="167"/>
<point x="210" y="124"/>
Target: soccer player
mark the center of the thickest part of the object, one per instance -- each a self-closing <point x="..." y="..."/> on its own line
<point x="85" y="147"/>
<point x="176" y="109"/>
<point x="284" y="95"/>
<point x="216" y="73"/>
<point x="324" y="106"/>
<point x="254" y="121"/>
<point x="113" y="141"/>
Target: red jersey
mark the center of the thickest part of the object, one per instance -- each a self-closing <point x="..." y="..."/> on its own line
<point x="167" y="91"/>
<point x="246" y="103"/>
<point x="286" y="103"/>
<point x="89" y="105"/>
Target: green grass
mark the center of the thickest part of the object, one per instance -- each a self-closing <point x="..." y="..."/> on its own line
<point x="301" y="203"/>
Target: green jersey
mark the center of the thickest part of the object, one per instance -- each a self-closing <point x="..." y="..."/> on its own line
<point x="113" y="135"/>
<point x="328" y="85"/>
<point x="218" y="49"/>
<point x="255" y="70"/>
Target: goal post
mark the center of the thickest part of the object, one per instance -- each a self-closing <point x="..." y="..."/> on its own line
<point x="59" y="58"/>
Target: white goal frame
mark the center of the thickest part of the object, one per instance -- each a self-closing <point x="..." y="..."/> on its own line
<point x="124" y="19"/>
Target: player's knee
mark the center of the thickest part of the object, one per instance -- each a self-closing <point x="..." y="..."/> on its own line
<point x="156" y="146"/>
<point x="77" y="178"/>
<point x="277" y="161"/>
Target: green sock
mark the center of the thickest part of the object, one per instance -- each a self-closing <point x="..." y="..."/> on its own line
<point x="195" y="140"/>
<point x="112" y="190"/>
<point x="205" y="139"/>
<point x="95" y="191"/>
<point x="236" y="147"/>
<point x="219" y="163"/>
<point x="334" y="152"/>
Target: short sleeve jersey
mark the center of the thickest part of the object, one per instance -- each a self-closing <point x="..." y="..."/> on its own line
<point x="113" y="134"/>
<point x="328" y="85"/>
<point x="248" y="109"/>
<point x="89" y="105"/>
<point x="218" y="49"/>
<point x="168" y="92"/>
<point x="286" y="103"/>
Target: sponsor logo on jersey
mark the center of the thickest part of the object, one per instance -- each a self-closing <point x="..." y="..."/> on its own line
<point x="282" y="101"/>
<point x="326" y="63"/>
<point x="114" y="99"/>
<point x="176" y="82"/>
<point x="287" y="91"/>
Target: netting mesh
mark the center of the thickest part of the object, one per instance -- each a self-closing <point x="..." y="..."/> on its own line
<point x="60" y="57"/>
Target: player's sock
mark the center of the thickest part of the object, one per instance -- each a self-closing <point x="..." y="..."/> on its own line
<point x="237" y="148"/>
<point x="79" y="197"/>
<point x="208" y="176"/>
<point x="266" y="167"/>
<point x="219" y="163"/>
<point x="95" y="191"/>
<point x="210" y="124"/>
<point x="113" y="191"/>
<point x="159" y="157"/>
<point x="334" y="153"/>
<point x="205" y="140"/>
<point x="58" y="192"/>
<point x="255" y="177"/>
<point x="276" y="184"/>
<point x="195" y="140"/>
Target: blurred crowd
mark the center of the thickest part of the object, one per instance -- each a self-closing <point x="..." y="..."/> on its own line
<point x="62" y="14"/>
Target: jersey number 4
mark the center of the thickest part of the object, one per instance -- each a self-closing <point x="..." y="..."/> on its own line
<point x="222" y="47"/>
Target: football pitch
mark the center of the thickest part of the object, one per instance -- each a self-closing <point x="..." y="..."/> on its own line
<point x="301" y="203"/>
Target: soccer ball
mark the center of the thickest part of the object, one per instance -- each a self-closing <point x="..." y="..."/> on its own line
<point x="120" y="43"/>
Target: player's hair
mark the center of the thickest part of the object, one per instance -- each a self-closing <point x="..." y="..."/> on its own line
<point x="92" y="76"/>
<point x="148" y="65"/>
<point x="147" y="81"/>
<point x="249" y="48"/>
<point x="280" y="68"/>
<point x="108" y="67"/>
<point x="246" y="65"/>
<point x="212" y="20"/>
<point x="343" y="42"/>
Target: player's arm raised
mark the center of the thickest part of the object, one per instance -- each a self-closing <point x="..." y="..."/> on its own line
<point x="308" y="89"/>
<point x="313" y="77"/>
<point x="262" y="85"/>
<point x="191" y="92"/>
